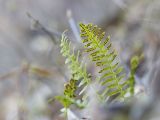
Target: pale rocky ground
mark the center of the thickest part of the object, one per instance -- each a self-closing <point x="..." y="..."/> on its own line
<point x="133" y="25"/>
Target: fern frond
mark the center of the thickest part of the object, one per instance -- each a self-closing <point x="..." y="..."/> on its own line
<point x="80" y="78"/>
<point x="77" y="70"/>
<point x="134" y="64"/>
<point x="101" y="52"/>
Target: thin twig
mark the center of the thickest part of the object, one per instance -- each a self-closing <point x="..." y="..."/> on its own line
<point x="38" y="25"/>
<point x="52" y="35"/>
<point x="9" y="74"/>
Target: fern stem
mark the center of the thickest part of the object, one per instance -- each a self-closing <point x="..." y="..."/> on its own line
<point x="66" y="113"/>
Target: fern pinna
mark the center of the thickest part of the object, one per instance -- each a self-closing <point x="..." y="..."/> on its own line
<point x="68" y="97"/>
<point x="80" y="79"/>
<point x="101" y="52"/>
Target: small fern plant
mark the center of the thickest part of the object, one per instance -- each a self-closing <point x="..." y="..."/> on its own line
<point x="112" y="74"/>
<point x="80" y="79"/>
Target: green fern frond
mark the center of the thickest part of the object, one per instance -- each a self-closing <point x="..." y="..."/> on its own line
<point x="134" y="64"/>
<point x="77" y="70"/>
<point x="80" y="79"/>
<point x="102" y="53"/>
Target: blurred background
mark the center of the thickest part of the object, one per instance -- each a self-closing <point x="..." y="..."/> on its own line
<point x="32" y="69"/>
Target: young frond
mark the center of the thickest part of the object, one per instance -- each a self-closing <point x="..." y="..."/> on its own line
<point x="131" y="79"/>
<point x="80" y="79"/>
<point x="101" y="52"/>
<point x="77" y="70"/>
